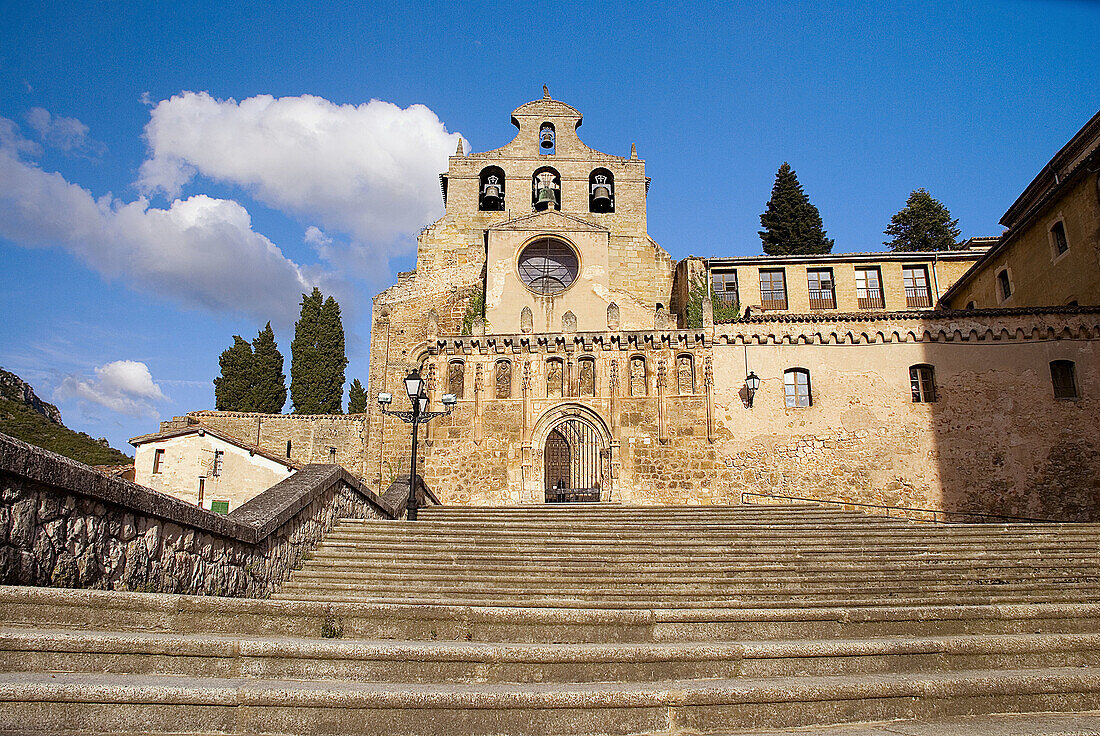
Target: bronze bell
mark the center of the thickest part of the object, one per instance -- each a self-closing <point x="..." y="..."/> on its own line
<point x="547" y="137"/>
<point x="601" y="195"/>
<point x="491" y="194"/>
<point x="545" y="198"/>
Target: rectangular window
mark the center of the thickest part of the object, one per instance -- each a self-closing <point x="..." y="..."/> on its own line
<point x="822" y="293"/>
<point x="202" y="489"/>
<point x="796" y="388"/>
<point x="923" y="383"/>
<point x="724" y="284"/>
<point x="158" y="458"/>
<point x="1058" y="233"/>
<point x="219" y="457"/>
<point x="773" y="290"/>
<point x="1063" y="376"/>
<point x="219" y="507"/>
<point x="1005" y="284"/>
<point x="917" y="293"/>
<point x="869" y="289"/>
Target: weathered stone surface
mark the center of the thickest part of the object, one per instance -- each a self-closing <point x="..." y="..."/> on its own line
<point x="67" y="525"/>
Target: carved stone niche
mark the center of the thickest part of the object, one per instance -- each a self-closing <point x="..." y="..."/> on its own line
<point x="586" y="378"/>
<point x="613" y="317"/>
<point x="526" y="321"/>
<point x="569" y="323"/>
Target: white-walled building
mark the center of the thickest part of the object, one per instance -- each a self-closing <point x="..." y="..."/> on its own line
<point x="207" y="467"/>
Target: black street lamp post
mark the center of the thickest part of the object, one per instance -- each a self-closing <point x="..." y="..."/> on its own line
<point x="414" y="387"/>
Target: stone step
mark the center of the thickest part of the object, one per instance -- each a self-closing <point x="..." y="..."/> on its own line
<point x="441" y="620"/>
<point x="206" y="655"/>
<point x="103" y="702"/>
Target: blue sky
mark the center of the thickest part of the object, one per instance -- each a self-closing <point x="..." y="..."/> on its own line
<point x="153" y="203"/>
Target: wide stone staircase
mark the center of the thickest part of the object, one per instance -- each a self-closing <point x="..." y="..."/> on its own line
<point x="582" y="619"/>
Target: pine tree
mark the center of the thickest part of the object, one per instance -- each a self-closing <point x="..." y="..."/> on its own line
<point x="317" y="359"/>
<point x="357" y="398"/>
<point x="233" y="389"/>
<point x="792" y="226"/>
<point x="924" y="224"/>
<point x="335" y="360"/>
<point x="268" y="379"/>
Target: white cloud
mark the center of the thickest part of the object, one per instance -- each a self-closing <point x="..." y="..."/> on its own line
<point x="12" y="140"/>
<point x="200" y="251"/>
<point x="67" y="134"/>
<point x="124" y="386"/>
<point x="370" y="171"/>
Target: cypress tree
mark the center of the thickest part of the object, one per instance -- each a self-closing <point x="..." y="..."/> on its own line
<point x="305" y="357"/>
<point x="268" y="379"/>
<point x="233" y="389"/>
<point x="924" y="224"/>
<point x="357" y="398"/>
<point x="792" y="226"/>
<point x="331" y="347"/>
<point x="317" y="360"/>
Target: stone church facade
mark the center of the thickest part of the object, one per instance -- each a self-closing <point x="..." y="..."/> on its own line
<point x="587" y="364"/>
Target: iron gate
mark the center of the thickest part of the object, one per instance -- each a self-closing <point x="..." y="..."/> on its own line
<point x="574" y="462"/>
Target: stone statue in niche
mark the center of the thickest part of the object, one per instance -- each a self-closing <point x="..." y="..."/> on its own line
<point x="526" y="321"/>
<point x="685" y="375"/>
<point x="555" y="378"/>
<point x="613" y="316"/>
<point x="638" y="385"/>
<point x="456" y="376"/>
<point x="569" y="323"/>
<point x="586" y="380"/>
<point x="504" y="379"/>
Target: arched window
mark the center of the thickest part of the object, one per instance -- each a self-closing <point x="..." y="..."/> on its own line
<point x="547" y="138"/>
<point x="586" y="377"/>
<point x="685" y="374"/>
<point x="546" y="189"/>
<point x="548" y="266"/>
<point x="922" y="379"/>
<point x="1063" y="375"/>
<point x="601" y="191"/>
<point x="502" y="376"/>
<point x="639" y="379"/>
<point x="796" y="387"/>
<point x="491" y="189"/>
<point x="555" y="378"/>
<point x="456" y="378"/>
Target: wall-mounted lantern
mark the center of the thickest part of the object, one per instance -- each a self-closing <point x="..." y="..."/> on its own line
<point x="752" y="382"/>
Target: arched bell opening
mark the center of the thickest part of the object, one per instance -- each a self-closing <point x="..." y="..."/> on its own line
<point x="601" y="191"/>
<point x="547" y="138"/>
<point x="491" y="189"/>
<point x="546" y="189"/>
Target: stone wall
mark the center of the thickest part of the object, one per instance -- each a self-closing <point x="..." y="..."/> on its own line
<point x="310" y="437"/>
<point x="64" y="524"/>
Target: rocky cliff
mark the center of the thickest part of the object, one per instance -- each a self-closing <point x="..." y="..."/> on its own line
<point x="14" y="388"/>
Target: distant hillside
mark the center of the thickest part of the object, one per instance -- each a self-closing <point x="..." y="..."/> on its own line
<point x="26" y="417"/>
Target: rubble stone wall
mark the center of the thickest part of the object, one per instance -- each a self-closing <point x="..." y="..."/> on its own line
<point x="63" y="524"/>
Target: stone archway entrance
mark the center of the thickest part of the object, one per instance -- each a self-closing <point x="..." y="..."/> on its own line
<point x="576" y="462"/>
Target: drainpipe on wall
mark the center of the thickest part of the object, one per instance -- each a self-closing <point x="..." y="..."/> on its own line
<point x="935" y="276"/>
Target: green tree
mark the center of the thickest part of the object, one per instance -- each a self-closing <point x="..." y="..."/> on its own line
<point x="723" y="311"/>
<point x="357" y="398"/>
<point x="924" y="224"/>
<point x="268" y="379"/>
<point x="233" y="389"/>
<point x="317" y="359"/>
<point x="335" y="360"/>
<point x="792" y="226"/>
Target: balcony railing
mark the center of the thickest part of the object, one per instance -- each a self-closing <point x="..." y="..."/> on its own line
<point x="773" y="299"/>
<point x="870" y="299"/>
<point x="918" y="296"/>
<point x="822" y="299"/>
